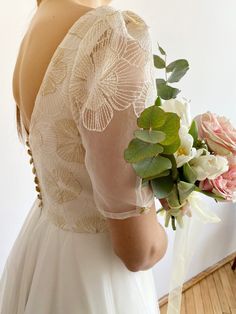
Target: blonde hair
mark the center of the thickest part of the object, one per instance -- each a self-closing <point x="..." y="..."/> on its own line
<point x="19" y="124"/>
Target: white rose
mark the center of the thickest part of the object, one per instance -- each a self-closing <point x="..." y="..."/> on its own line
<point x="209" y="166"/>
<point x="181" y="108"/>
<point x="186" y="151"/>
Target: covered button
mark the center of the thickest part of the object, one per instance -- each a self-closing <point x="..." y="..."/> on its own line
<point x="29" y="152"/>
<point x="37" y="188"/>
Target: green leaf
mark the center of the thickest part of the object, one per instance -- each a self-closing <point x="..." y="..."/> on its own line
<point x="173" y="199"/>
<point x="151" y="118"/>
<point x="162" y="186"/>
<point x="150" y="167"/>
<point x="163" y="174"/>
<point x="162" y="51"/>
<point x="189" y="173"/>
<point x="210" y="194"/>
<point x="185" y="189"/>
<point x="158" y="101"/>
<point x="150" y="136"/>
<point x="194" y="132"/>
<point x="139" y="150"/>
<point x="167" y="219"/>
<point x="160" y="81"/>
<point x="178" y="69"/>
<point x="170" y="128"/>
<point x="172" y="148"/>
<point x="167" y="92"/>
<point x="159" y="62"/>
<point x="174" y="169"/>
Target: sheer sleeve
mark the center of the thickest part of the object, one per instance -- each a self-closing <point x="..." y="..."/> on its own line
<point x="111" y="83"/>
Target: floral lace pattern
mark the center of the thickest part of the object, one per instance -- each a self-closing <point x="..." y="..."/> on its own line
<point x="56" y="75"/>
<point x="93" y="72"/>
<point x="108" y="75"/>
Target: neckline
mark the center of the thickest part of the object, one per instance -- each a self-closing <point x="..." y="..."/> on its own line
<point x="93" y="10"/>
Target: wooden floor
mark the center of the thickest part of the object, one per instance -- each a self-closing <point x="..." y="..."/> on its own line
<point x="214" y="294"/>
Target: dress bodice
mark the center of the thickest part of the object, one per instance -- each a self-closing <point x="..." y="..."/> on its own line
<point x="54" y="143"/>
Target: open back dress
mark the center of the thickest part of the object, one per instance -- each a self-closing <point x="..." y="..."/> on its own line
<point x="98" y="81"/>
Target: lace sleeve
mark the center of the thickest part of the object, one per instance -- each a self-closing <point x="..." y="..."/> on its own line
<point x="111" y="83"/>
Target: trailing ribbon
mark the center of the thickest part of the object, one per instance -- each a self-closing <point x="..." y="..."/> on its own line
<point x="184" y="245"/>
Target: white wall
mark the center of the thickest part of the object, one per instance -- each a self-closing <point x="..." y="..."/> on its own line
<point x="202" y="32"/>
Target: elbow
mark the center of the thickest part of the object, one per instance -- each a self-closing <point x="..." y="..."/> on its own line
<point x="156" y="253"/>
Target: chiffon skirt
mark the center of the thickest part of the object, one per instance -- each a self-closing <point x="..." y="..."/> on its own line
<point x="53" y="271"/>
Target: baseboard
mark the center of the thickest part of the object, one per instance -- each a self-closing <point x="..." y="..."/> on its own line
<point x="191" y="282"/>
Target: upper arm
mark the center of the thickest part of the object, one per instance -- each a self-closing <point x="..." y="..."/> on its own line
<point x="110" y="85"/>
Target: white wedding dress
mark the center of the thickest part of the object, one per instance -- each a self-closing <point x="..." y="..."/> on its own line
<point x="98" y="81"/>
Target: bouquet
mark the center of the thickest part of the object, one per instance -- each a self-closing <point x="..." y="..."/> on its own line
<point x="178" y="156"/>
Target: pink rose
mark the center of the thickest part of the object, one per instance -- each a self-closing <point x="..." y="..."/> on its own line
<point x="218" y="133"/>
<point x="225" y="184"/>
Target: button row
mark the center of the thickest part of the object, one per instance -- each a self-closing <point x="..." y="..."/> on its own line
<point x="36" y="180"/>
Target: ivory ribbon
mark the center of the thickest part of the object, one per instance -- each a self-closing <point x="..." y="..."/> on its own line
<point x="184" y="245"/>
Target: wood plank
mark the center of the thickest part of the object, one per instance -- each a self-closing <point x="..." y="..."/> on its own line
<point x="221" y="293"/>
<point x="232" y="277"/>
<point x="198" y="299"/>
<point x="206" y="297"/>
<point x="227" y="288"/>
<point x="163" y="309"/>
<point x="183" y="308"/>
<point x="196" y="279"/>
<point x="189" y="301"/>
<point x="213" y="295"/>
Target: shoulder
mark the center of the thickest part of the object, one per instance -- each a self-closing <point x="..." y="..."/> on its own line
<point x="112" y="68"/>
<point x="98" y="20"/>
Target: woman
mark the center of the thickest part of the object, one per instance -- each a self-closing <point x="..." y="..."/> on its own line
<point x="83" y="75"/>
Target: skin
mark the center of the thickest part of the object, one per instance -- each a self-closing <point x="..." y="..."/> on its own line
<point x="140" y="242"/>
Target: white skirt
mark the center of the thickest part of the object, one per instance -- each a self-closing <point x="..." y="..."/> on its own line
<point x="53" y="271"/>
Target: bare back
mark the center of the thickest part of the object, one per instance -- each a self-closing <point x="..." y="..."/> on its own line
<point x="48" y="27"/>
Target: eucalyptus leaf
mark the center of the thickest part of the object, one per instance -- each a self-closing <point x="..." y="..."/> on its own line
<point x="162" y="51"/>
<point x="185" y="189"/>
<point x="171" y="128"/>
<point x="150" y="167"/>
<point x="162" y="186"/>
<point x="150" y="136"/>
<point x="158" y="101"/>
<point x="152" y="117"/>
<point x="174" y="169"/>
<point x="173" y="198"/>
<point x="167" y="92"/>
<point x="172" y="148"/>
<point x="189" y="173"/>
<point x="163" y="174"/>
<point x="178" y="69"/>
<point x="138" y="150"/>
<point x="160" y="81"/>
<point x="159" y="62"/>
<point x="194" y="132"/>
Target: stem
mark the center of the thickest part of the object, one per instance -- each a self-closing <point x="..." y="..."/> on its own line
<point x="165" y="69"/>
